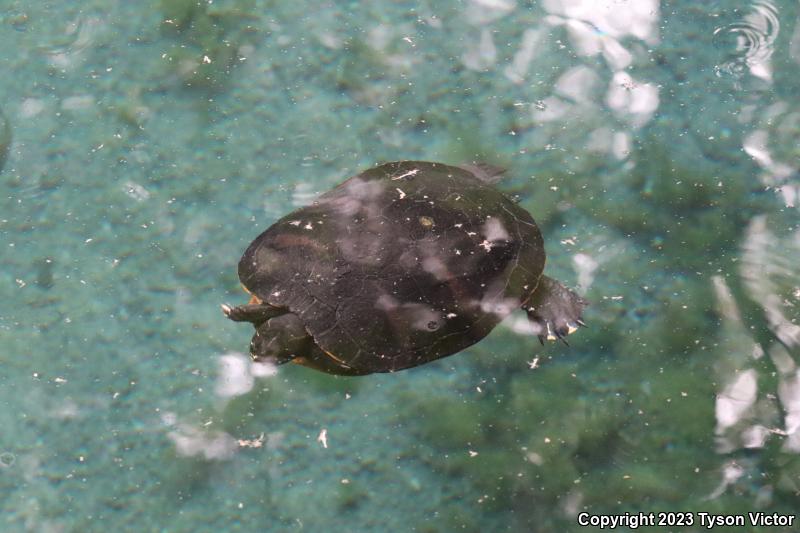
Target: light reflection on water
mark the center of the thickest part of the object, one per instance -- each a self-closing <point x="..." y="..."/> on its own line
<point x="753" y="38"/>
<point x="656" y="145"/>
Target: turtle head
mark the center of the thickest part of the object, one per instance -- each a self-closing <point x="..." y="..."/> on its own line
<point x="280" y="339"/>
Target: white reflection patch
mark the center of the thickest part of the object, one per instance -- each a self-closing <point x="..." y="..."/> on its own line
<point x="236" y="374"/>
<point x="501" y="307"/>
<point x="386" y="302"/>
<point x="769" y="269"/>
<point x="434" y="265"/>
<point x="190" y="442"/>
<point x="585" y="265"/>
<point x="736" y="399"/>
<point x="482" y="12"/>
<point x="359" y="198"/>
<point x="424" y="318"/>
<point x="612" y="19"/>
<point x="631" y="99"/>
<point x="518" y="70"/>
<point x="494" y="230"/>
<point x="482" y="54"/>
<point x="233" y="375"/>
<point x="789" y="394"/>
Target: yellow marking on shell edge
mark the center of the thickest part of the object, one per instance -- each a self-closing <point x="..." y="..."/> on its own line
<point x="340" y="361"/>
<point x="426" y="221"/>
<point x="309" y="363"/>
<point x="253" y="298"/>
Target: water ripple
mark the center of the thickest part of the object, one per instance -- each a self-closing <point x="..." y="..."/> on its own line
<point x="752" y="39"/>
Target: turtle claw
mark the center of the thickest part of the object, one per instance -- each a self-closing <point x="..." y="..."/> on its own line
<point x="226" y="310"/>
<point x="555" y="311"/>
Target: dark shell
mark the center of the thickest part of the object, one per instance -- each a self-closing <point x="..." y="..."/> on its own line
<point x="400" y="265"/>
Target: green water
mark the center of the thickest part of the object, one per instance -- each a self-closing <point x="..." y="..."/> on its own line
<point x="143" y="145"/>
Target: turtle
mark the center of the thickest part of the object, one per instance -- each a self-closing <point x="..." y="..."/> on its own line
<point x="400" y="265"/>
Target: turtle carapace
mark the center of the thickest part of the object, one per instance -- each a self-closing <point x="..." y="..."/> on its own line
<point x="400" y="265"/>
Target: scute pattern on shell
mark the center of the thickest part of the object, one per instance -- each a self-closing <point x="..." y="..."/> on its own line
<point x="399" y="265"/>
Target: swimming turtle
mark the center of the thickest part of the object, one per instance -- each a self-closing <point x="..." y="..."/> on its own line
<point x="398" y="266"/>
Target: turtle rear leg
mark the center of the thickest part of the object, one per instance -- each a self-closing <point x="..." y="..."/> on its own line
<point x="280" y="339"/>
<point x="555" y="310"/>
<point x="255" y="313"/>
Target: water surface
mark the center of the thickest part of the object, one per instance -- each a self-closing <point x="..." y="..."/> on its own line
<point x="656" y="144"/>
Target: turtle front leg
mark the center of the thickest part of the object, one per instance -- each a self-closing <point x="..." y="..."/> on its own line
<point x="555" y="310"/>
<point x="255" y="313"/>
